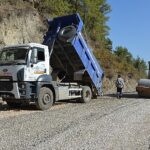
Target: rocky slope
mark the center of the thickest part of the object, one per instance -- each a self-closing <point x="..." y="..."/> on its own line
<point x="20" y="25"/>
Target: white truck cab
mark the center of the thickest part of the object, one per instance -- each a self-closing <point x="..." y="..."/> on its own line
<point x="32" y="59"/>
<point x="21" y="66"/>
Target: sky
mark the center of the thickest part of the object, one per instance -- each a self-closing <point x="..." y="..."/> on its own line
<point x="129" y="24"/>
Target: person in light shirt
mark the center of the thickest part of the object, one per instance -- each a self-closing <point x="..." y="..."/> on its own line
<point x="119" y="85"/>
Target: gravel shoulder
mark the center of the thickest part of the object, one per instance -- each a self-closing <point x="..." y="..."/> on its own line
<point x="104" y="123"/>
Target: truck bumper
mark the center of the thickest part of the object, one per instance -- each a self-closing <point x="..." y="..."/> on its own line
<point x="14" y="93"/>
<point x="21" y="90"/>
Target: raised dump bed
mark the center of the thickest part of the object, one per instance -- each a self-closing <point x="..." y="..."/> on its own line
<point x="70" y="53"/>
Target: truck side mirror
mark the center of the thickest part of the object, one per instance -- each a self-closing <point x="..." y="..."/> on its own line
<point x="34" y="56"/>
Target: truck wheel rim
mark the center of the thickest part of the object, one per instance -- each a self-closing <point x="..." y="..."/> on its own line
<point x="46" y="98"/>
<point x="87" y="94"/>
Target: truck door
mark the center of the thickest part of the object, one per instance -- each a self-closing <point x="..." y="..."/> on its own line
<point x="38" y="67"/>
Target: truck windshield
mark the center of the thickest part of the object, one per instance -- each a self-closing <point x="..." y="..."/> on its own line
<point x="15" y="55"/>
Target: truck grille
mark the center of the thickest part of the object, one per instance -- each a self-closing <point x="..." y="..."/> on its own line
<point x="6" y="83"/>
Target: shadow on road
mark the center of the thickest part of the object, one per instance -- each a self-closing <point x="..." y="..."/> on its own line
<point x="66" y="101"/>
<point x="32" y="107"/>
<point x="5" y="107"/>
<point x="125" y="95"/>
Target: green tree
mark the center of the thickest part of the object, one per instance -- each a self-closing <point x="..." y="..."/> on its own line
<point x="76" y="5"/>
<point x="108" y="44"/>
<point x="140" y="65"/>
<point x="55" y="8"/>
<point x="123" y="54"/>
<point x="94" y="14"/>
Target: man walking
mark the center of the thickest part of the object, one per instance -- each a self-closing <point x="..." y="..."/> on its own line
<point x="119" y="85"/>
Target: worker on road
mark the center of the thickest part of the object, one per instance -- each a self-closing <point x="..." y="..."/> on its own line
<point x="119" y="85"/>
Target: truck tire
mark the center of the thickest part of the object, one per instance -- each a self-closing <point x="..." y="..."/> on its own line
<point x="66" y="34"/>
<point x="86" y="94"/>
<point x="45" y="99"/>
<point x="14" y="104"/>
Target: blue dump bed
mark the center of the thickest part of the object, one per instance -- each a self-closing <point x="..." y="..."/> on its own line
<point x="71" y="54"/>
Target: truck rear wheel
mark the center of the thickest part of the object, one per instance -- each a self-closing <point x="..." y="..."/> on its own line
<point x="45" y="99"/>
<point x="86" y="94"/>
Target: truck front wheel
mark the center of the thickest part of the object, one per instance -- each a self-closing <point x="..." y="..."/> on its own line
<point x="45" y="99"/>
<point x="86" y="94"/>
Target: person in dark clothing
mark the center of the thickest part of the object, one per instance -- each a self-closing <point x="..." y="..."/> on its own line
<point x="119" y="85"/>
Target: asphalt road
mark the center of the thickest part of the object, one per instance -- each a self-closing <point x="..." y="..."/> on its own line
<point x="103" y="124"/>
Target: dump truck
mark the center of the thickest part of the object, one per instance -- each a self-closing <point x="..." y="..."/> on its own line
<point x="143" y="87"/>
<point x="63" y="67"/>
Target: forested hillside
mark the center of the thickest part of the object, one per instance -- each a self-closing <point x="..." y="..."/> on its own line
<point x="95" y="16"/>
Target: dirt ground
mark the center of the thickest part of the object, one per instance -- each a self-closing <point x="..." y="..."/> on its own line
<point x="106" y="123"/>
